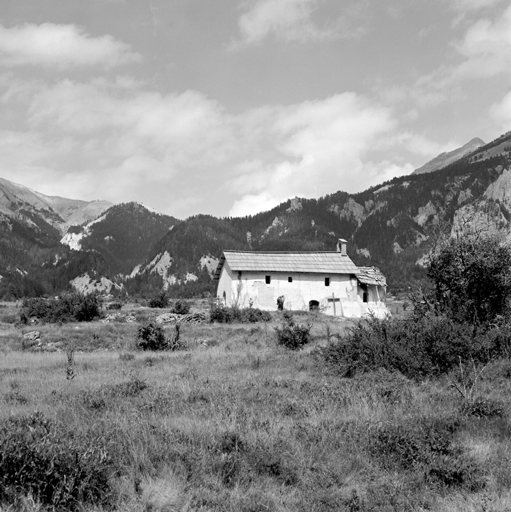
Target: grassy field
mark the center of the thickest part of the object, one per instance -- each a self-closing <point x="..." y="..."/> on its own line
<point x="237" y="423"/>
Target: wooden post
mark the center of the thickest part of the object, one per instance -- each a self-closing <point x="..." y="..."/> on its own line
<point x="333" y="302"/>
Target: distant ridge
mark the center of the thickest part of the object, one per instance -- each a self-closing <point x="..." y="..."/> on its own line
<point x="445" y="159"/>
<point x="59" y="212"/>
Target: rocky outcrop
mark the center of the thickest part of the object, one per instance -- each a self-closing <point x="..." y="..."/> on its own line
<point x="425" y="213"/>
<point x="85" y="284"/>
<point x="500" y="189"/>
<point x="352" y="211"/>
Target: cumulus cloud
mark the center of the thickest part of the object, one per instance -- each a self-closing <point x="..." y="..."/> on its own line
<point x="486" y="48"/>
<point x="291" y="21"/>
<point x="468" y="5"/>
<point x="103" y="140"/>
<point x="483" y="52"/>
<point x="318" y="148"/>
<point x="501" y="112"/>
<point x="61" y="46"/>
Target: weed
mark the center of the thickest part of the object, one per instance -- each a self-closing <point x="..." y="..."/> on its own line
<point x="291" y="335"/>
<point x="418" y="346"/>
<point x="131" y="388"/>
<point x="229" y="315"/>
<point x="94" y="400"/>
<point x="9" y="318"/>
<point x="427" y="447"/>
<point x="126" y="356"/>
<point x="16" y="397"/>
<point x="483" y="408"/>
<point x="57" y="468"/>
<point x="181" y="307"/>
<point x="159" y="301"/>
<point x="466" y="380"/>
<point x="66" y="308"/>
<point x="152" y="337"/>
<point x="70" y="369"/>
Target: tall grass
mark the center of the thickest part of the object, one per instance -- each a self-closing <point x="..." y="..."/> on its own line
<point x="238" y="422"/>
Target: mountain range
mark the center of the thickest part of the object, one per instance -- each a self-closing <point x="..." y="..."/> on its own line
<point x="49" y="244"/>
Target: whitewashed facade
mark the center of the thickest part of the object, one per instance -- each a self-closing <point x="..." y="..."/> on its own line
<point x="328" y="280"/>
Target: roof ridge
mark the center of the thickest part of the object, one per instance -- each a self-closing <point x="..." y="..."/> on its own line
<point x="286" y="252"/>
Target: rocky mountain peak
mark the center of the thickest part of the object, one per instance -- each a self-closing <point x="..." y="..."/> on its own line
<point x="445" y="159"/>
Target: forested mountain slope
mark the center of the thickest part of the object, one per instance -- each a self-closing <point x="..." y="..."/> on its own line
<point x="391" y="226"/>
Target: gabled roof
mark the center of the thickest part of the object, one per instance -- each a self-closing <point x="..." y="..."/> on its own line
<point x="371" y="275"/>
<point x="314" y="262"/>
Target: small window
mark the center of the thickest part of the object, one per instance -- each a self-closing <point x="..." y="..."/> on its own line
<point x="289" y="279"/>
<point x="268" y="279"/>
<point x="327" y="281"/>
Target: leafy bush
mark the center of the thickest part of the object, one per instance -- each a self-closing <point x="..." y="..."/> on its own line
<point x="291" y="335"/>
<point x="159" y="301"/>
<point x="58" y="468"/>
<point x="425" y="446"/>
<point x="114" y="306"/>
<point x="253" y="315"/>
<point x="181" y="307"/>
<point x="483" y="408"/>
<point x="9" y="318"/>
<point x="229" y="315"/>
<point x="72" y="307"/>
<point x="471" y="275"/>
<point x="152" y="337"/>
<point x="417" y="347"/>
<point x="221" y="315"/>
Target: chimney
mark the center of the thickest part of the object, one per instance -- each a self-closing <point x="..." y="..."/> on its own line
<point x="341" y="246"/>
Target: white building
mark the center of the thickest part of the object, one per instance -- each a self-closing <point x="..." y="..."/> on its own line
<point x="329" y="281"/>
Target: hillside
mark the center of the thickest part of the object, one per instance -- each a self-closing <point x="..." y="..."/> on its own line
<point x="445" y="159"/>
<point x="391" y="226"/>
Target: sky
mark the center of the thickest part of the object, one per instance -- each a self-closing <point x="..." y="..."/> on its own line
<point x="230" y="107"/>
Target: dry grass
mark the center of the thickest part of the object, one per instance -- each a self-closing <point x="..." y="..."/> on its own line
<point x="236" y="423"/>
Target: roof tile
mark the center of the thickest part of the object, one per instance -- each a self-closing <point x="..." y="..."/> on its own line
<point x="317" y="262"/>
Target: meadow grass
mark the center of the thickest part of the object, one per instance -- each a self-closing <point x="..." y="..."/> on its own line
<point x="237" y="423"/>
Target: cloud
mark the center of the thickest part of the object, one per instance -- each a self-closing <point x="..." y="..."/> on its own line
<point x="483" y="52"/>
<point x="486" y="48"/>
<point x="501" y="112"/>
<point x="470" y="5"/>
<point x="318" y="147"/>
<point x="183" y="153"/>
<point x="102" y="140"/>
<point x="291" y="21"/>
<point x="61" y="46"/>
